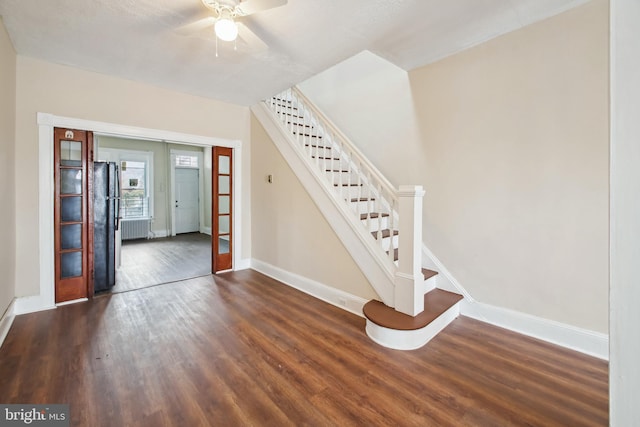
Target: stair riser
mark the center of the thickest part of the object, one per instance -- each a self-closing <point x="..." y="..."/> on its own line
<point x="387" y="241"/>
<point x="342" y="178"/>
<point x="298" y="124"/>
<point x="331" y="164"/>
<point x="430" y="284"/>
<point x="363" y="207"/>
<point x="285" y="108"/>
<point x="351" y="192"/>
<point x="376" y="224"/>
<point x="411" y="340"/>
<point x="318" y="151"/>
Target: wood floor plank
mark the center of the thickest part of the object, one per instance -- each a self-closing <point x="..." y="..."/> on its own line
<point x="241" y="349"/>
<point x="161" y="260"/>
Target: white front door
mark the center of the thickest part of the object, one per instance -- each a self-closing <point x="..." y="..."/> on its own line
<point x="187" y="204"/>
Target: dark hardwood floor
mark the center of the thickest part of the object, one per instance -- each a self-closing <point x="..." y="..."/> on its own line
<point x="241" y="349"/>
<point x="152" y="262"/>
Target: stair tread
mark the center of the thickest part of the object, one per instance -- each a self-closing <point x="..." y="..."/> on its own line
<point x="385" y="233"/>
<point x="373" y="215"/>
<point x="317" y="146"/>
<point x="347" y="185"/>
<point x="436" y="302"/>
<point x="361" y="199"/>
<point x="307" y="134"/>
<point x="428" y="274"/>
<point x="326" y="158"/>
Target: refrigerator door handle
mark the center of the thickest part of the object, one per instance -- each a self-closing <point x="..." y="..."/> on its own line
<point x="118" y="217"/>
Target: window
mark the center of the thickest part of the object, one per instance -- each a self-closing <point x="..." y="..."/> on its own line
<point x="136" y="180"/>
<point x="184" y="161"/>
<point x="134" y="197"/>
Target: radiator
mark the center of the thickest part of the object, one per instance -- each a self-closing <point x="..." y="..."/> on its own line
<point x="135" y="229"/>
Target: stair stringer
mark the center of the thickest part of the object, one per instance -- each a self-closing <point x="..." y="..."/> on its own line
<point x="378" y="270"/>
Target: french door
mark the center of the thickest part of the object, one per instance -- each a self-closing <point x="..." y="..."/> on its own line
<point x="222" y="210"/>
<point x="73" y="237"/>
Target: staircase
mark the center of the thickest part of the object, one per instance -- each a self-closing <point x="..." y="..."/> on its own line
<point x="379" y="225"/>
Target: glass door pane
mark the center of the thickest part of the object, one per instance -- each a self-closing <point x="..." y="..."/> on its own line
<point x="222" y="209"/>
<point x="71" y="148"/>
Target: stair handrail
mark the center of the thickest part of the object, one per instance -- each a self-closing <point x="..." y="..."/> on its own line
<point x="327" y="123"/>
<point x="374" y="189"/>
<point x="380" y="195"/>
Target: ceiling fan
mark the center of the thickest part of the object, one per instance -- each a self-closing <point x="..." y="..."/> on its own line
<point x="226" y="17"/>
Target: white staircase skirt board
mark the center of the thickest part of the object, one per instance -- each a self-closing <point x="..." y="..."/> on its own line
<point x="411" y="340"/>
<point x="362" y="247"/>
<point x="331" y="295"/>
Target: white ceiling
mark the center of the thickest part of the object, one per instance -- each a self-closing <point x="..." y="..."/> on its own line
<point x="139" y="39"/>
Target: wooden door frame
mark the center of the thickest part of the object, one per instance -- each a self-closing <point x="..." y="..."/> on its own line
<point x="215" y="242"/>
<point x="45" y="299"/>
<point x="87" y="207"/>
<point x="201" y="158"/>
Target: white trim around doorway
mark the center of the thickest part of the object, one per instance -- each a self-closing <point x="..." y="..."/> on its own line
<point x="201" y="193"/>
<point x="46" y="123"/>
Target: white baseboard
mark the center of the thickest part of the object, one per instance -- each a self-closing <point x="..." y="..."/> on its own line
<point x="582" y="340"/>
<point x="6" y="321"/>
<point x="243" y="264"/>
<point x="333" y="296"/>
<point x="157" y="234"/>
<point x="592" y="343"/>
<point x="24" y="305"/>
<point x="75" y="301"/>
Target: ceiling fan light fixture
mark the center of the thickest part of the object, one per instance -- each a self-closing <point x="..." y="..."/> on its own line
<point x="226" y="29"/>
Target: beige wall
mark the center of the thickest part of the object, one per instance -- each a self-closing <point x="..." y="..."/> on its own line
<point x="510" y="140"/>
<point x="7" y="188"/>
<point x="516" y="132"/>
<point x="369" y="99"/>
<point x="289" y="231"/>
<point x="70" y="92"/>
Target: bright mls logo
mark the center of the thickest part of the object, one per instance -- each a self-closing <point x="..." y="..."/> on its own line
<point x="34" y="415"/>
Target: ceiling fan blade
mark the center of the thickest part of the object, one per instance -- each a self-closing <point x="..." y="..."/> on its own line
<point x="195" y="27"/>
<point x="252" y="6"/>
<point x="254" y="43"/>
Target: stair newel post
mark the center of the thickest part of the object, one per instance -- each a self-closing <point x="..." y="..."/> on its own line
<point x="409" y="295"/>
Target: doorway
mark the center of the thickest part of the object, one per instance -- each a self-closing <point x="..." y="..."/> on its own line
<point x="162" y="223"/>
<point x="46" y="230"/>
<point x="187" y="200"/>
<point x="190" y="181"/>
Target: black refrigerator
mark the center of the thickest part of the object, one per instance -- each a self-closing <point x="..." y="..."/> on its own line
<point x="106" y="212"/>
